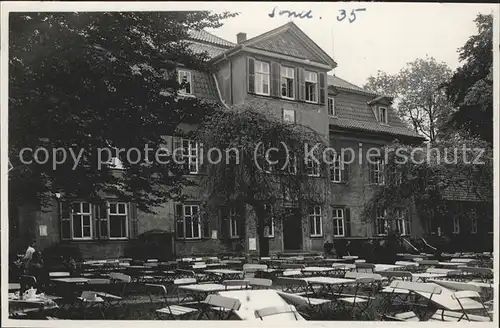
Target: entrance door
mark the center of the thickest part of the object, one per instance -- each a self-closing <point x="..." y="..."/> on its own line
<point x="292" y="230"/>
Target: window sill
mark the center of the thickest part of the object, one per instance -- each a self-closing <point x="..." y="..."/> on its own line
<point x="311" y="102"/>
<point x="121" y="238"/>
<point x="189" y="239"/>
<point x="338" y="182"/>
<point x="316" y="236"/>
<point x="186" y="95"/>
<point x="288" y="98"/>
<point x="262" y="94"/>
<point x="338" y="236"/>
<point x="234" y="237"/>
<point x="270" y="237"/>
<point x="314" y="175"/>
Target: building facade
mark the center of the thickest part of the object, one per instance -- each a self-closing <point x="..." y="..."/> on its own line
<point x="285" y="70"/>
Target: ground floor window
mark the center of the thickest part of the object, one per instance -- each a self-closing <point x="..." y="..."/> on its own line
<point x="456" y="225"/>
<point x="233" y="223"/>
<point x="338" y="222"/>
<point x="81" y="220"/>
<point x="117" y="220"/>
<point x="402" y="222"/>
<point x="270" y="222"/>
<point x="315" y="221"/>
<point x="381" y="222"/>
<point x="188" y="221"/>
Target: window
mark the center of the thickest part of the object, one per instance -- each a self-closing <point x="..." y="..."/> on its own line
<point x="81" y="221"/>
<point x="270" y="223"/>
<point x="382" y="115"/>
<point x="289" y="115"/>
<point x="381" y="222"/>
<point x="186" y="77"/>
<point x="456" y="225"/>
<point x="338" y="222"/>
<point x="188" y="224"/>
<point x="292" y="164"/>
<point x="315" y="221"/>
<point x="331" y="106"/>
<point x="336" y="169"/>
<point x="186" y="154"/>
<point x="262" y="78"/>
<point x="117" y="220"/>
<point x="287" y="82"/>
<point x="402" y="222"/>
<point x="233" y="223"/>
<point x="376" y="171"/>
<point x="312" y="167"/>
<point x="311" y="82"/>
<point x="473" y="227"/>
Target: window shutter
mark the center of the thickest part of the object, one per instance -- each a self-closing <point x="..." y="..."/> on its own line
<point x="345" y="168"/>
<point x="370" y="173"/>
<point x="275" y="79"/>
<point x="347" y="222"/>
<point x="132" y="219"/>
<point x="251" y="74"/>
<point x="301" y="86"/>
<point x="322" y="88"/>
<point x="95" y="221"/>
<point x="224" y="224"/>
<point x="374" y="218"/>
<point x="205" y="221"/>
<point x="179" y="221"/>
<point x="241" y="224"/>
<point x="65" y="213"/>
<point x="103" y="221"/>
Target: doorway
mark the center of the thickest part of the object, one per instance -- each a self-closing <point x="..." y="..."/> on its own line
<point x="292" y="230"/>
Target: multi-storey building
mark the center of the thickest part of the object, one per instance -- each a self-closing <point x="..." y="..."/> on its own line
<point x="287" y="71"/>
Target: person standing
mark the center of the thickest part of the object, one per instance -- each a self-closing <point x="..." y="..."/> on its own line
<point x="28" y="256"/>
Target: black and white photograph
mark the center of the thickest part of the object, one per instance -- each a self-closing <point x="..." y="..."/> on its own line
<point x="255" y="161"/>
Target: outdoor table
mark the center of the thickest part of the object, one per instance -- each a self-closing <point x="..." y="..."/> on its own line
<point x="386" y="267"/>
<point x="59" y="274"/>
<point x="424" y="276"/>
<point x="450" y="264"/>
<point x="200" y="291"/>
<point x="14" y="286"/>
<point x="71" y="280"/>
<point x="319" y="270"/>
<point x="252" y="300"/>
<point x="38" y="304"/>
<point x="333" y="260"/>
<point x="225" y="274"/>
<point x="414" y="256"/>
<point x="445" y="302"/>
<point x="331" y="286"/>
<point x="462" y="260"/>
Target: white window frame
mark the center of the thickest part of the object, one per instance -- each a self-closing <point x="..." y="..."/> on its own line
<point x="381" y="218"/>
<point x="288" y="113"/>
<point x="189" y="159"/>
<point x="336" y="219"/>
<point x="473" y="228"/>
<point x="81" y="213"/>
<point x="331" y="107"/>
<point x="314" y="215"/>
<point x="110" y="215"/>
<point x="287" y="73"/>
<point x="262" y="76"/>
<point x="191" y="216"/>
<point x="311" y="77"/>
<point x="189" y="77"/>
<point x="233" y="223"/>
<point x="402" y="221"/>
<point x="312" y="168"/>
<point x="271" y="226"/>
<point x="385" y="119"/>
<point x="292" y="164"/>
<point x="378" y="167"/>
<point x="456" y="225"/>
<point x="336" y="169"/>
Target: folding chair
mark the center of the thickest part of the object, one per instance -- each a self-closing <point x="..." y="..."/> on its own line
<point x="396" y="275"/>
<point x="364" y="267"/>
<point x="403" y="297"/>
<point x="243" y="284"/>
<point x="362" y="299"/>
<point x="307" y="303"/>
<point x="275" y="310"/>
<point x="426" y="264"/>
<point x="180" y="282"/>
<point x="171" y="311"/>
<point x="259" y="283"/>
<point x="482" y="274"/>
<point x="250" y="270"/>
<point x="220" y="306"/>
<point x="120" y="280"/>
<point x="90" y="300"/>
<point x="293" y="285"/>
<point x="461" y="297"/>
<point x="183" y="273"/>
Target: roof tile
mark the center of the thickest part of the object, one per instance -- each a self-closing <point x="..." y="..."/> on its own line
<point x="206" y="37"/>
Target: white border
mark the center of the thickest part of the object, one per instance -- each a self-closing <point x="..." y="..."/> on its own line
<point x="171" y="6"/>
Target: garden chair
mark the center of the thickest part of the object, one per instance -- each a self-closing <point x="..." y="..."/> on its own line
<point x="222" y="308"/>
<point x="183" y="273"/>
<point x="243" y="284"/>
<point x="402" y="295"/>
<point x="171" y="311"/>
<point x="121" y="281"/>
<point x="396" y="275"/>
<point x="423" y="265"/>
<point x="364" y="267"/>
<point x="361" y="301"/>
<point x="250" y="270"/>
<point x="181" y="282"/>
<point x="482" y="274"/>
<point x="461" y="297"/>
<point x="275" y="310"/>
<point x="293" y="285"/>
<point x="90" y="300"/>
<point x="259" y="283"/>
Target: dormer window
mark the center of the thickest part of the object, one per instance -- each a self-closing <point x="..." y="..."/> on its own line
<point x="382" y="115"/>
<point x="185" y="78"/>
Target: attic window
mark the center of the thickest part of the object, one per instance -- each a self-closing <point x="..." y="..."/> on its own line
<point x="382" y="115"/>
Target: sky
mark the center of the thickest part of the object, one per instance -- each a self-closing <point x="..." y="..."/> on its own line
<point x="384" y="37"/>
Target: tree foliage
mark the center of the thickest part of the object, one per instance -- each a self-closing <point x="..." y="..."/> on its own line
<point x="90" y="80"/>
<point x="419" y="98"/>
<point x="247" y="176"/>
<point x="470" y="89"/>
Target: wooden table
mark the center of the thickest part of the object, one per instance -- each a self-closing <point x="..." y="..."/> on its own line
<point x="71" y="280"/>
<point x="446" y="302"/>
<point x="39" y="304"/>
<point x="200" y="291"/>
<point x="252" y="300"/>
<point x="225" y="274"/>
<point x="424" y="276"/>
<point x="332" y="286"/>
<point x="386" y="267"/>
<point x="319" y="270"/>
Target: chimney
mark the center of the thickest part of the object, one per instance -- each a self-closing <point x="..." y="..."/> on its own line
<point x="241" y="37"/>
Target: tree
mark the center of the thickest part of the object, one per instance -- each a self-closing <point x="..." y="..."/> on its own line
<point x="246" y="178"/>
<point x="86" y="81"/>
<point x="470" y="89"/>
<point x="419" y="98"/>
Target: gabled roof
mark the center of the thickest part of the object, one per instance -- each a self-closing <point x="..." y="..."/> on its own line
<point x="339" y="83"/>
<point x="206" y="37"/>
